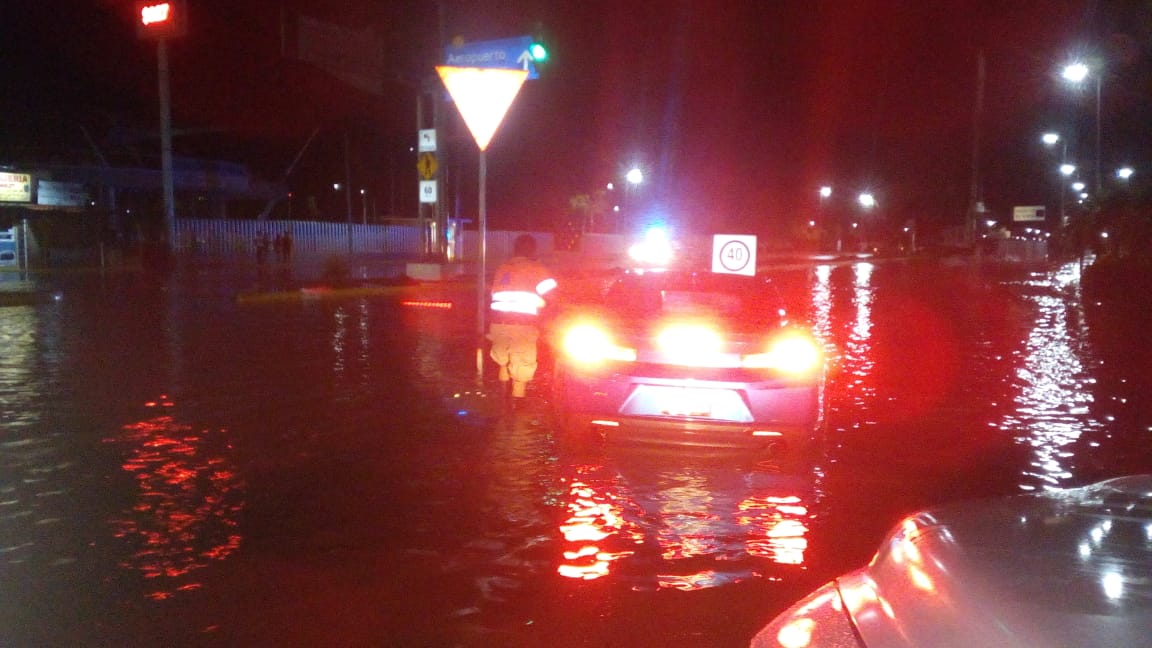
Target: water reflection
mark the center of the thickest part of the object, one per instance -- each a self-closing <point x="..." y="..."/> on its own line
<point x="667" y="523"/>
<point x="849" y="342"/>
<point x="19" y="331"/>
<point x="821" y="313"/>
<point x="36" y="471"/>
<point x="188" y="499"/>
<point x="1052" y="393"/>
<point x="350" y="342"/>
<point x="858" y="356"/>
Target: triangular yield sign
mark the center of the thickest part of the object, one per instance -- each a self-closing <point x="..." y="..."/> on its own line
<point x="483" y="96"/>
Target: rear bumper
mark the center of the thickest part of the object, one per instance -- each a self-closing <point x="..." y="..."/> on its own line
<point x="773" y="440"/>
<point x="779" y="418"/>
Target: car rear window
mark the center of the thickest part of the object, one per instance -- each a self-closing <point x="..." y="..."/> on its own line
<point x="733" y="300"/>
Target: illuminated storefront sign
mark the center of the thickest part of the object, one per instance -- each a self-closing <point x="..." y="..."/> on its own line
<point x="15" y="187"/>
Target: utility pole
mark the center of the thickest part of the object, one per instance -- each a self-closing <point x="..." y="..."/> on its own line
<point x="348" y="193"/>
<point x="161" y="21"/>
<point x="975" y="198"/>
<point x="439" y="211"/>
<point x="166" y="173"/>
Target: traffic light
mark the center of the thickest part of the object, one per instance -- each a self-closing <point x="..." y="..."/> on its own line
<point x="538" y="52"/>
<point x="156" y="19"/>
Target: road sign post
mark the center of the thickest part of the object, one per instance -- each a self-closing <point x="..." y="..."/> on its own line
<point x="483" y="97"/>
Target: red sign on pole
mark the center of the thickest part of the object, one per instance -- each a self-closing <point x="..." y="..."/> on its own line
<point x="155" y="20"/>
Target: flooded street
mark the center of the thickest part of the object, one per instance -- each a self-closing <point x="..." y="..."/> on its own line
<point x="182" y="468"/>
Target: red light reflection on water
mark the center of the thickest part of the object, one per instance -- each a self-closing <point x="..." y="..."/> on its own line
<point x="187" y="500"/>
<point x="593" y="517"/>
<point x="685" y="519"/>
<point x="782" y="524"/>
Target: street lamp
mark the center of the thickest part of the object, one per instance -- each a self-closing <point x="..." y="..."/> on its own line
<point x="825" y="194"/>
<point x="1050" y="140"/>
<point x="867" y="201"/>
<point x="1076" y="73"/>
<point x="634" y="177"/>
<point x="1124" y="173"/>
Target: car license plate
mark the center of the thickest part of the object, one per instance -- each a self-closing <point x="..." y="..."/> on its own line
<point x="685" y="401"/>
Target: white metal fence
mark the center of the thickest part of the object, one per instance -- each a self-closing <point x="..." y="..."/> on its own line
<point x="399" y="240"/>
<point x="225" y="238"/>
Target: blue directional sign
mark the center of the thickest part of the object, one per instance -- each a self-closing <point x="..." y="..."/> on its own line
<point x="505" y="53"/>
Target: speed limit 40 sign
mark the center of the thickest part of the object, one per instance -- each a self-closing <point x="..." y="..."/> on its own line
<point x="734" y="254"/>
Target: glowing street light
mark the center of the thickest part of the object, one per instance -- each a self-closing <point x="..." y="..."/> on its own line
<point x="1124" y="173"/>
<point x="633" y="177"/>
<point x="825" y="194"/>
<point x="866" y="200"/>
<point x="1077" y="73"/>
<point x="1050" y="140"/>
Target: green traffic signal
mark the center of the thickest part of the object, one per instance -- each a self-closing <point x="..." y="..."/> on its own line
<point x="538" y="52"/>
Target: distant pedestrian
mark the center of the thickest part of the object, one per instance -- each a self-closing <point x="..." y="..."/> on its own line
<point x="287" y="246"/>
<point x="262" y="243"/>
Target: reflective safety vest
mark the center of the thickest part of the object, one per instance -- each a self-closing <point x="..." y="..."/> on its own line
<point x="518" y="290"/>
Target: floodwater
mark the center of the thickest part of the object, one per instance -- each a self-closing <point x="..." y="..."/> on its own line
<point x="182" y="468"/>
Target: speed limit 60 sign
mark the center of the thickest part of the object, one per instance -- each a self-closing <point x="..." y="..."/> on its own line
<point x="734" y="254"/>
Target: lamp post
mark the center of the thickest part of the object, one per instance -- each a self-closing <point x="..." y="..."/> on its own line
<point x="609" y="192"/>
<point x="867" y="202"/>
<point x="825" y="194"/>
<point x="1051" y="139"/>
<point x="1077" y="73"/>
<point x="634" y="177"/>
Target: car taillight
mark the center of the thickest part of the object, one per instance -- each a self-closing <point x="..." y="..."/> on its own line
<point x="793" y="353"/>
<point x="588" y="344"/>
<point x="690" y="345"/>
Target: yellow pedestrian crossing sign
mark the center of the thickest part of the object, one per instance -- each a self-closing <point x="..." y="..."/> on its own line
<point x="426" y="165"/>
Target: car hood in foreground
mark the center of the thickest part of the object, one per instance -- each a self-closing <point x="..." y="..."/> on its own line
<point x="1060" y="568"/>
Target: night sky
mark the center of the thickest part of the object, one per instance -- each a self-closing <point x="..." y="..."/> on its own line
<point x="738" y="111"/>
